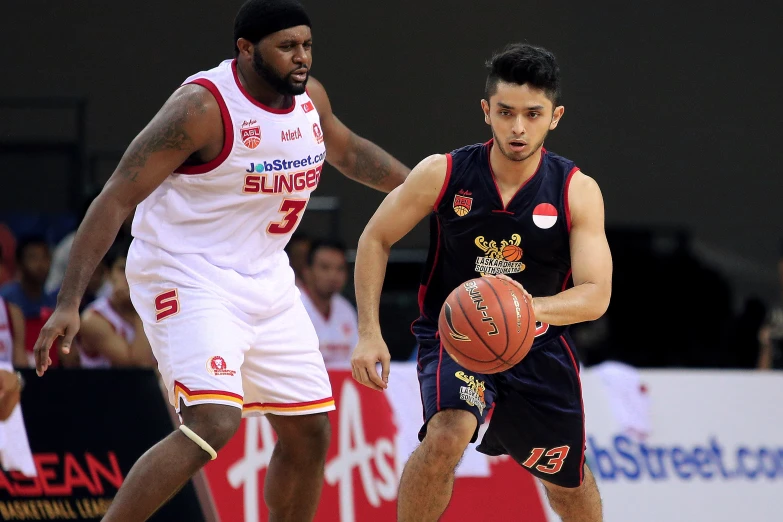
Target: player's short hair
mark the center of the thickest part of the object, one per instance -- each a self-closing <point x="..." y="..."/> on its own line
<point x="259" y="18"/>
<point x="320" y="244"/>
<point x="521" y="64"/>
<point x="26" y="242"/>
<point x="118" y="249"/>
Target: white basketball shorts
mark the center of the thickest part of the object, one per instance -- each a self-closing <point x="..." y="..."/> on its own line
<point x="210" y="351"/>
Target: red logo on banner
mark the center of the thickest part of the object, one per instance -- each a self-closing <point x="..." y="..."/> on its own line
<point x="363" y="468"/>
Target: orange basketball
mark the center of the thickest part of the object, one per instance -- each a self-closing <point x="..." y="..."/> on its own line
<point x="511" y="253"/>
<point x="487" y="325"/>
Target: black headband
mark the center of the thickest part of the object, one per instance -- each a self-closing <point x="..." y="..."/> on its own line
<point x="260" y="18"/>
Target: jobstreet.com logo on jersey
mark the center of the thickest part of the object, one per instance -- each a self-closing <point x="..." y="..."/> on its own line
<point x="628" y="459"/>
<point x="284" y="164"/>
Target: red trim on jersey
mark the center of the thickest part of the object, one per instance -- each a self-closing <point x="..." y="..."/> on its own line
<point x="256" y="102"/>
<point x="565" y="196"/>
<point x="423" y="288"/>
<point x="579" y="379"/>
<point x="565" y="281"/>
<point x="228" y="133"/>
<point x="437" y="377"/>
<point x="445" y="183"/>
<point x="492" y="173"/>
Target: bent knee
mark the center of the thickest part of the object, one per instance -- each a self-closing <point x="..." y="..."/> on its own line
<point x="450" y="431"/>
<point x="214" y="423"/>
<point x="308" y="433"/>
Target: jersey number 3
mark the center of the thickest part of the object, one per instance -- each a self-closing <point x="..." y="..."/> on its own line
<point x="292" y="208"/>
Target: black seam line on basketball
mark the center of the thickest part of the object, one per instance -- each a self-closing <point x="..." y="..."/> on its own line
<point x="454" y="347"/>
<point x="527" y="331"/>
<point x="490" y="350"/>
<point x="503" y="311"/>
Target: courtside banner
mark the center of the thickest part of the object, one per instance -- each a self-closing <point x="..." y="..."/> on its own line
<point x="373" y="433"/>
<point x="86" y="428"/>
<point x="686" y="446"/>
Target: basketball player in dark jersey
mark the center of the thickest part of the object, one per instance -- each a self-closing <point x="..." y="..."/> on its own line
<point x="481" y="199"/>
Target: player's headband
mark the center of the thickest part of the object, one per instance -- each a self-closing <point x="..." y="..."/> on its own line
<point x="258" y="19"/>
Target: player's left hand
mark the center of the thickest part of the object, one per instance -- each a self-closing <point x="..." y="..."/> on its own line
<point x="504" y="277"/>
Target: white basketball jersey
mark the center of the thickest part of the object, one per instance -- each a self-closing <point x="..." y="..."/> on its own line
<point x="237" y="212"/>
<point x="338" y="334"/>
<point x="6" y="334"/>
<point x="123" y="328"/>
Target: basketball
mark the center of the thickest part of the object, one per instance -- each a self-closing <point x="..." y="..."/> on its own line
<point x="511" y="253"/>
<point x="487" y="325"/>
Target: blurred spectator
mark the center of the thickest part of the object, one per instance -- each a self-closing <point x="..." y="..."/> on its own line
<point x="7" y="245"/>
<point x="111" y="333"/>
<point x="63" y="251"/>
<point x="771" y="334"/>
<point x="297" y="249"/>
<point x="33" y="260"/>
<point x="335" y="321"/>
<point x="11" y="331"/>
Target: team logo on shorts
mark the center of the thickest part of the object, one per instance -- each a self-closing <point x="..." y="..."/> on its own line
<point x="251" y="134"/>
<point x="499" y="259"/>
<point x="217" y="366"/>
<point x="472" y="392"/>
<point x="319" y="136"/>
<point x="462" y="203"/>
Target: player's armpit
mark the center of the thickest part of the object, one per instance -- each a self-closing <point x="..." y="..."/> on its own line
<point x="355" y="157"/>
<point x="591" y="259"/>
<point x="97" y="336"/>
<point x="409" y="203"/>
<point x="189" y="122"/>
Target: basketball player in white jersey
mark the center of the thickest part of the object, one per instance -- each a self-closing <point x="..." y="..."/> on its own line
<point x="333" y="316"/>
<point x="221" y="176"/>
<point x="111" y="333"/>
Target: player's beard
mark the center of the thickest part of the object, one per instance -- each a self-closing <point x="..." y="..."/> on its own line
<point x="517" y="156"/>
<point x="282" y="84"/>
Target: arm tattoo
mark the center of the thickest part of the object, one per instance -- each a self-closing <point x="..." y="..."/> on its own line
<point x="167" y="134"/>
<point x="371" y="165"/>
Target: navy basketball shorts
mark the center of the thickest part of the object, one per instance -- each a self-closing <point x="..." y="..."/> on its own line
<point x="538" y="417"/>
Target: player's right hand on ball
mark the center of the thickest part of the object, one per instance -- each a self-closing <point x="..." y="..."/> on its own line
<point x="64" y="323"/>
<point x="368" y="352"/>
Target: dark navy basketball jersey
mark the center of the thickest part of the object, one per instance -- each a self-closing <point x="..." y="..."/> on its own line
<point x="473" y="234"/>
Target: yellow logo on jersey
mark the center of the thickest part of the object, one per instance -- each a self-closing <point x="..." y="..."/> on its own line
<point x="503" y="259"/>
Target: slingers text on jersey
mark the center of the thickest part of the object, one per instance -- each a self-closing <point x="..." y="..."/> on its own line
<point x="472" y="232"/>
<point x="239" y="210"/>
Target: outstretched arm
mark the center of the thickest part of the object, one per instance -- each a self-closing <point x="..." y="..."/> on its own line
<point x="402" y="209"/>
<point x="355" y="157"/>
<point x="591" y="261"/>
<point x="188" y="122"/>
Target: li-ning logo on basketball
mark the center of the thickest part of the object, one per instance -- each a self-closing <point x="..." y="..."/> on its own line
<point x="319" y="136"/>
<point x="473" y="393"/>
<point x="503" y="259"/>
<point x="478" y="300"/>
<point x="217" y="366"/>
<point x="251" y="134"/>
<point x="462" y="203"/>
<point x="453" y="332"/>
